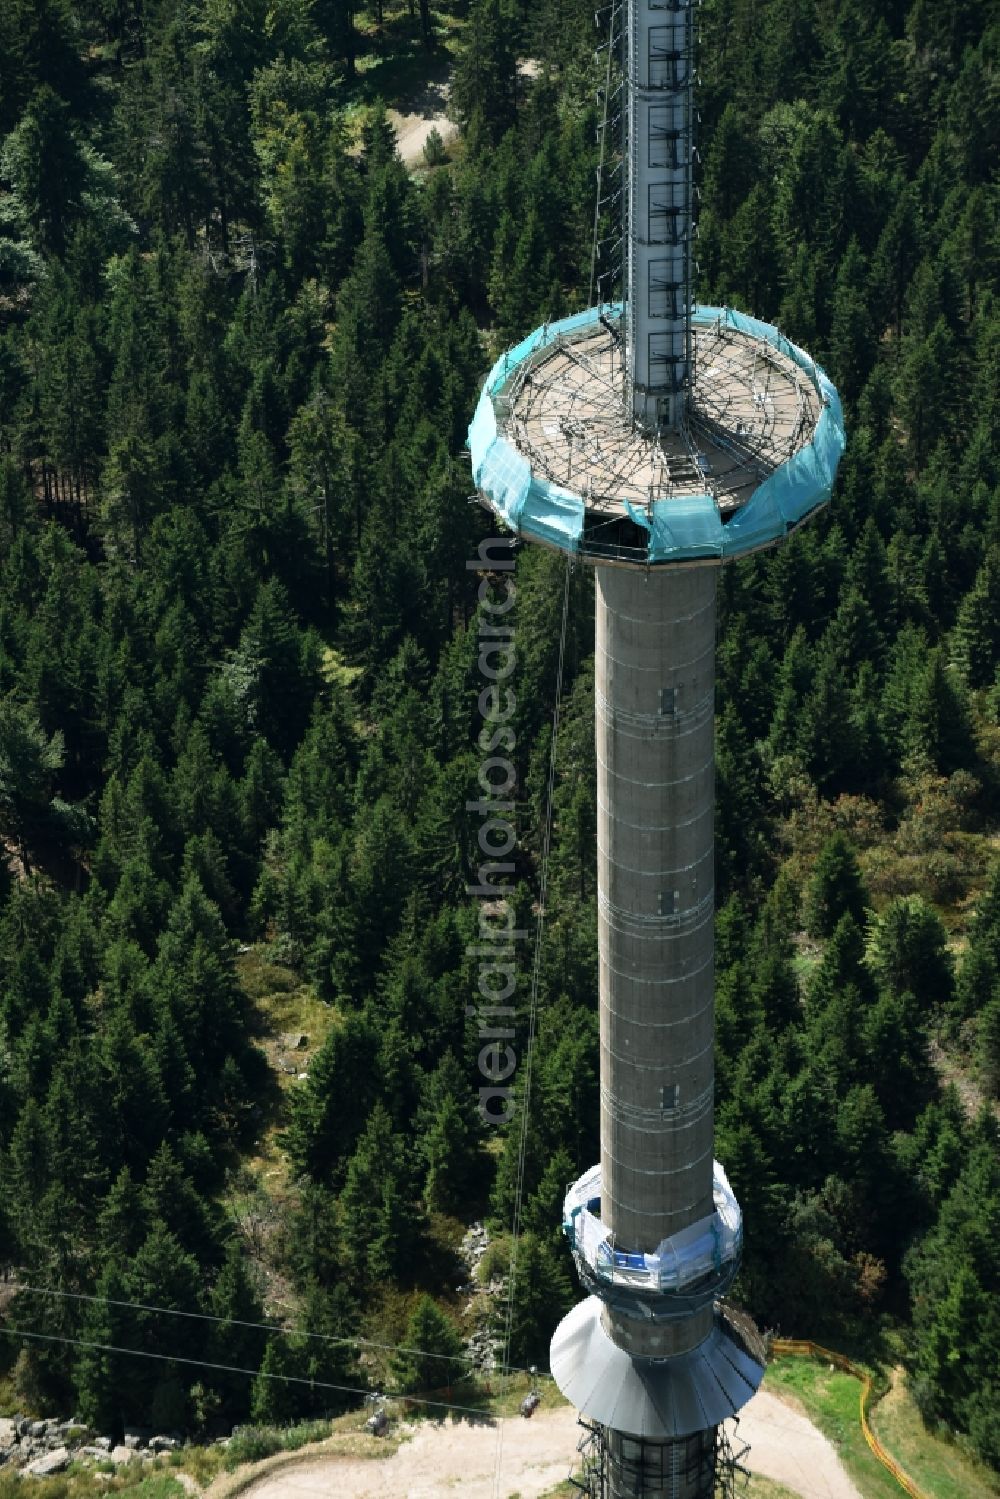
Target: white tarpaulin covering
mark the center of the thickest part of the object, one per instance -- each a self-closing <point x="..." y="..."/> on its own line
<point x="679" y="1261"/>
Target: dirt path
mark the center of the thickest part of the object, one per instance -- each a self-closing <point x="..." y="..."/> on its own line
<point x="440" y="1459"/>
<point x="422" y="115"/>
<point x="443" y="1460"/>
<point x="786" y="1446"/>
<point x="428" y="111"/>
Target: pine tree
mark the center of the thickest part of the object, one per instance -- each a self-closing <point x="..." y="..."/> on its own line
<point x="908" y="952"/>
<point x="46" y="167"/>
<point x="277" y="1395"/>
<point x="835" y="889"/>
<point x="977" y="629"/>
<point x="988" y="1048"/>
<point x="233" y="1340"/>
<point x="169" y="1195"/>
<point x="729" y="162"/>
<point x="451" y="1133"/>
<point x="852" y="332"/>
<point x="29" y="760"/>
<point x="485" y="81"/>
<point x="328" y="1111"/>
<point x="431" y="1358"/>
<point x="938" y="728"/>
<point x="928" y="389"/>
<point x="40" y="47"/>
<point x="377" y="1204"/>
<point x="542" y="1296"/>
<point x="102" y="1378"/>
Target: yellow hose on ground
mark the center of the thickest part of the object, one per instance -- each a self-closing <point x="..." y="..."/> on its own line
<point x="803" y="1346"/>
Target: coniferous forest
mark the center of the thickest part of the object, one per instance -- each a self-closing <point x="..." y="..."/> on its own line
<point x="240" y="344"/>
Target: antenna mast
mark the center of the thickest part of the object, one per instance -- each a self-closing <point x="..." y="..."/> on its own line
<point x="659" y="76"/>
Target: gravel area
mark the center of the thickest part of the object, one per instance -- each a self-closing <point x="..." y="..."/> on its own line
<point x="786" y="1446"/>
<point x="443" y="1459"/>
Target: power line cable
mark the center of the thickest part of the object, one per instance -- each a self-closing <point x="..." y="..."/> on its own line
<point x="600" y="164"/>
<point x="533" y="1007"/>
<point x="202" y="1363"/>
<point x="351" y="1340"/>
<point x="316" y="1384"/>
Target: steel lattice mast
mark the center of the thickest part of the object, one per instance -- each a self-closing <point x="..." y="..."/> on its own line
<point x="655" y="440"/>
<point x="658" y="67"/>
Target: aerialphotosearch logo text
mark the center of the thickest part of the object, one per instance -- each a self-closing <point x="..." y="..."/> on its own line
<point x="497" y="836"/>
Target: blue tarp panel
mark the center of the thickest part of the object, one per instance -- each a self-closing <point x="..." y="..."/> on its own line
<point x="757" y="523"/>
<point x="506" y="478"/>
<point x="679" y="528"/>
<point x="553" y="514"/>
<point x="529" y="505"/>
<point x="688" y="527"/>
<point x="482" y="434"/>
<point x="638" y="516"/>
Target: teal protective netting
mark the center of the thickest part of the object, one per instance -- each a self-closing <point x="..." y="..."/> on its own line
<point x="678" y="529"/>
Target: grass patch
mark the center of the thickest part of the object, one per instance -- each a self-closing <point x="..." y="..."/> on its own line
<point x="251" y="1444"/>
<point x="767" y="1488"/>
<point x="261" y="979"/>
<point x="156" y="1486"/>
<point x="202" y="1463"/>
<point x="937" y="1466"/>
<point x="134" y="1479"/>
<point x="499" y="1396"/>
<point x="831" y="1400"/>
<point x="285" y="1002"/>
<point x="478" y="1396"/>
<point x="285" y="1006"/>
<point x="260" y="1190"/>
<point x="344" y="1436"/>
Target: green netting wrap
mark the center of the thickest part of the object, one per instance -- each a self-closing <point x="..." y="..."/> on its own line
<point x="686" y="528"/>
<point x="499" y="470"/>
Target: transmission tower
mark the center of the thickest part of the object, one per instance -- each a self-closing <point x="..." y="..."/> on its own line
<point x="655" y="440"/>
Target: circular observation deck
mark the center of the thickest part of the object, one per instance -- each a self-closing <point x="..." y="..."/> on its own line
<point x="558" y="459"/>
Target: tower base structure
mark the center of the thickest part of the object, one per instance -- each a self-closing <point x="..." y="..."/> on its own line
<point x="656" y="1424"/>
<point x="655" y="1399"/>
<point x="613" y="1467"/>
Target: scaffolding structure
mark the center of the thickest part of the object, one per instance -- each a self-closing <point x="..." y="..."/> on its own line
<point x="750" y="407"/>
<point x="714" y="1463"/>
<point x="561" y="459"/>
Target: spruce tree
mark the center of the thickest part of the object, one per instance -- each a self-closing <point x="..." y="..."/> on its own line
<point x="835" y="889"/>
<point x="431" y="1357"/>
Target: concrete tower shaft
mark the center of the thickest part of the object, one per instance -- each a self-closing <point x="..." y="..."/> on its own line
<point x="655" y="685"/>
<point x="659" y="75"/>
